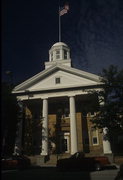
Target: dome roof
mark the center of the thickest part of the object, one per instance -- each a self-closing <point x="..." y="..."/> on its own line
<point x="59" y="44"/>
<point x="59" y="53"/>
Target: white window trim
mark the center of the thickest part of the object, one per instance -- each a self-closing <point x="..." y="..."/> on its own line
<point x="66" y="135"/>
<point x="65" y="117"/>
<point x="97" y="136"/>
<point x="92" y="115"/>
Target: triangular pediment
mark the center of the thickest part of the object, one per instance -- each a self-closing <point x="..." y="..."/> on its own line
<point x="69" y="77"/>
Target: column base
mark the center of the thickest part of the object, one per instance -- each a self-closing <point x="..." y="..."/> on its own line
<point x="110" y="157"/>
<point x="41" y="160"/>
<point x="44" y="154"/>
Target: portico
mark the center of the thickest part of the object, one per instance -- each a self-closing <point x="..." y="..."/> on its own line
<point x="73" y="128"/>
<point x="59" y="99"/>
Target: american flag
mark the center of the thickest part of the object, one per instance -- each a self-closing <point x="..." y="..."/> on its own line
<point x="64" y="10"/>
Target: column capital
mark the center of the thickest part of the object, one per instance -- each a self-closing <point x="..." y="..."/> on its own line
<point x="71" y="95"/>
<point x="43" y="98"/>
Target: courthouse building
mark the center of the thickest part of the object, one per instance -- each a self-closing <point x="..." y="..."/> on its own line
<point x="59" y="107"/>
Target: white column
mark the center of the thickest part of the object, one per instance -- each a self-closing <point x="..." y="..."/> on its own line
<point x="45" y="128"/>
<point x="73" y="130"/>
<point x="106" y="143"/>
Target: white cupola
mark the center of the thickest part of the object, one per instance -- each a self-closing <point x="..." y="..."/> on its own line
<point x="59" y="54"/>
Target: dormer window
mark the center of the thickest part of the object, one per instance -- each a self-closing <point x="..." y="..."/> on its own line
<point x="65" y="54"/>
<point x="57" y="54"/>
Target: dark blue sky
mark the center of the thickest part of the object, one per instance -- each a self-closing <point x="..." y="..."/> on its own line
<point x="93" y="29"/>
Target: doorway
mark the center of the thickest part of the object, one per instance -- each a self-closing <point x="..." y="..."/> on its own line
<point x="65" y="142"/>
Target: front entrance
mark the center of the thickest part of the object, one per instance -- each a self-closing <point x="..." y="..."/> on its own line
<point x="65" y="143"/>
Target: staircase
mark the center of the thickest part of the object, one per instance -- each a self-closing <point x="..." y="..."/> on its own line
<point x="50" y="160"/>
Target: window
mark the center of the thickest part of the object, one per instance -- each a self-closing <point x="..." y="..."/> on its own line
<point x="95" y="140"/>
<point x="57" y="54"/>
<point x="57" y="80"/>
<point x="66" y="113"/>
<point x="51" y="56"/>
<point x="94" y="134"/>
<point x="64" y="145"/>
<point x="65" y="54"/>
<point x="92" y="113"/>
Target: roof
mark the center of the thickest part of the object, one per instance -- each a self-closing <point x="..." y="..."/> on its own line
<point x="71" y="78"/>
<point x="59" y="44"/>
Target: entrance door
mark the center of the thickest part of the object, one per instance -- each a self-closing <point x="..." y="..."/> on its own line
<point x="64" y="143"/>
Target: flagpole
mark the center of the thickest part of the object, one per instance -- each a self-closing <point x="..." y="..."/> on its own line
<point x="59" y="25"/>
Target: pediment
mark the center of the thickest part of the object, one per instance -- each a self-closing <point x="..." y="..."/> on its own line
<point x="69" y="77"/>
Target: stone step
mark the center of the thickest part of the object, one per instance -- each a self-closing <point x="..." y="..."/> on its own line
<point x="52" y="159"/>
<point x="47" y="160"/>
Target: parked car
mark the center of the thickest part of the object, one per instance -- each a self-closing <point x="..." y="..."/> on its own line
<point x="80" y="162"/>
<point x="15" y="162"/>
<point x="120" y="173"/>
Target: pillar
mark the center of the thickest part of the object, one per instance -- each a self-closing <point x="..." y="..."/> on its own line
<point x="45" y="128"/>
<point x="106" y="142"/>
<point x="73" y="129"/>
